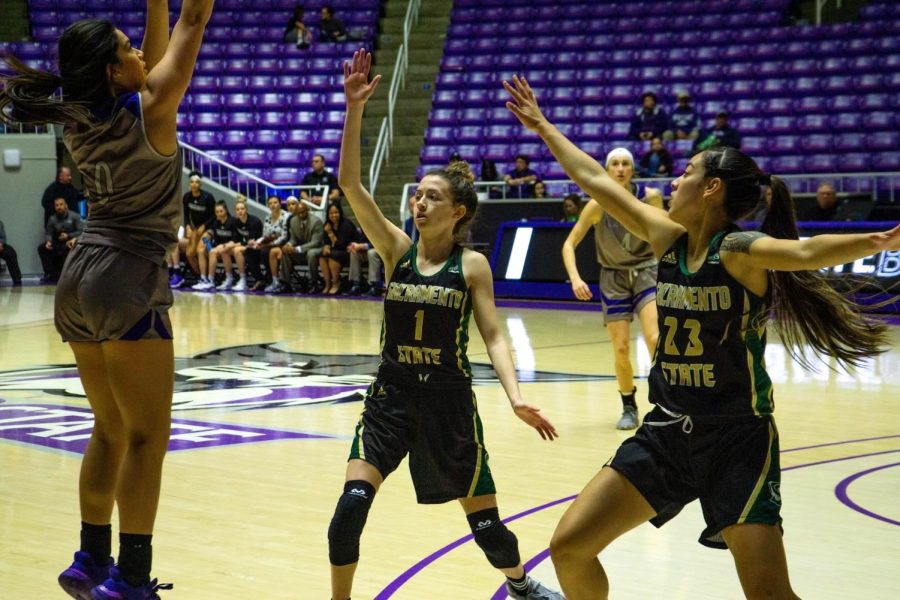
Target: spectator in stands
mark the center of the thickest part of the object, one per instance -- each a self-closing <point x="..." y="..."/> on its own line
<point x="409" y="225"/>
<point x="722" y="134"/>
<point x="320" y="177"/>
<point x="295" y="32"/>
<point x="684" y="123"/>
<point x="221" y="232"/>
<point x="339" y="233"/>
<point x="61" y="188"/>
<point x="521" y="180"/>
<point x="274" y="235"/>
<point x="826" y="199"/>
<point x="360" y="251"/>
<point x="199" y="212"/>
<point x="9" y="256"/>
<point x="61" y="233"/>
<point x="248" y="228"/>
<point x="331" y="29"/>
<point x="540" y="190"/>
<point x="571" y="207"/>
<point x="489" y="173"/>
<point x="657" y="162"/>
<point x="305" y="233"/>
<point x="649" y="121"/>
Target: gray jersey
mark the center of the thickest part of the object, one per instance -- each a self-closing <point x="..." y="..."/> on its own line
<point x="618" y="249"/>
<point x="134" y="193"/>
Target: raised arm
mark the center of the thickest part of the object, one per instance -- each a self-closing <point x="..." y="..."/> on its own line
<point x="590" y="215"/>
<point x="388" y="239"/>
<point x="646" y="222"/>
<point x="156" y="32"/>
<point x="169" y="79"/>
<point x="481" y="284"/>
<point x="752" y="249"/>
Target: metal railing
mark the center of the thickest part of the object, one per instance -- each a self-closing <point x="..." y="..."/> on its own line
<point x="19" y="128"/>
<point x="820" y="4"/>
<point x="398" y="81"/>
<point x="243" y="182"/>
<point x="849" y="183"/>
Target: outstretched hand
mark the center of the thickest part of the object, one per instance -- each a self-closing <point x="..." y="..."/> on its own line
<point x="533" y="417"/>
<point x="888" y="240"/>
<point x="357" y="87"/>
<point x="524" y="104"/>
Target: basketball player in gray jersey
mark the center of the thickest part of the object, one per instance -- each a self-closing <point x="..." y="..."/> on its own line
<point x="627" y="279"/>
<point x="119" y="108"/>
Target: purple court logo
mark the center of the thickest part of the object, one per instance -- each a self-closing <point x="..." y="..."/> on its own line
<point x="240" y="378"/>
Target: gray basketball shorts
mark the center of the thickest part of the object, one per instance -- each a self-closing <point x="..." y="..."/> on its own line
<point x="624" y="292"/>
<point x="106" y="293"/>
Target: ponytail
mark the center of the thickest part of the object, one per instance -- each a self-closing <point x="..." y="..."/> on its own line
<point x="808" y="309"/>
<point x="86" y="49"/>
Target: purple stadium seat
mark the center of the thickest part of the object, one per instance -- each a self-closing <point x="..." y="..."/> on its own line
<point x="883" y="140"/>
<point x="500" y="133"/>
<point x="849" y="142"/>
<point x="873" y="102"/>
<point x="470" y="134"/>
<point x="443" y="117"/>
<point x="810" y="104"/>
<point x="812" y="123"/>
<point x="205" y="140"/>
<point x="271" y="102"/>
<point x="778" y="106"/>
<point x="330" y="138"/>
<point x="499" y="152"/>
<point x="746" y="107"/>
<point x="298" y="138"/>
<point x="817" y="143"/>
<point x="803" y="86"/>
<point x="239" y="120"/>
<point x="471" y="116"/>
<point x="849" y="121"/>
<point x="237" y="102"/>
<point x="273" y="120"/>
<point x="590" y="132"/>
<point x="435" y="154"/>
<point x="251" y="158"/>
<point x="868" y="82"/>
<point x="886" y="161"/>
<point x="232" y="84"/>
<point x="769" y="69"/>
<point x="499" y="116"/>
<point x="333" y="118"/>
<point x="286" y="176"/>
<point x="755" y="146"/>
<point x="289" y="157"/>
<point x="784" y="144"/>
<point x="837" y="84"/>
<point x="821" y="163"/>
<point x="261" y="83"/>
<point x="206" y="103"/>
<point x="237" y="50"/>
<point x="207" y="120"/>
<point x="204" y="85"/>
<point x="267" y="138"/>
<point x="268" y="50"/>
<point x="184" y="121"/>
<point x="855" y="162"/>
<point x="439" y="135"/>
<point x="774" y="87"/>
<point x="451" y="81"/>
<point x="879" y="121"/>
<point x="304" y="119"/>
<point x="787" y="165"/>
<point x="782" y="124"/>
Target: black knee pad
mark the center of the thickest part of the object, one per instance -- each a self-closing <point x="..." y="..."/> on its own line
<point x="348" y="522"/>
<point x="497" y="542"/>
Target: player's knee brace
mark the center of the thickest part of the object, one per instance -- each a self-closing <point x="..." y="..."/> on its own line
<point x="497" y="542"/>
<point x="348" y="522"/>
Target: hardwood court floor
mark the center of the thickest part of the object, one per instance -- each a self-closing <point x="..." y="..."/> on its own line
<point x="249" y="519"/>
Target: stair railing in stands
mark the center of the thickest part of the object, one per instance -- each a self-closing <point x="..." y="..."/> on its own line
<point x="398" y="81"/>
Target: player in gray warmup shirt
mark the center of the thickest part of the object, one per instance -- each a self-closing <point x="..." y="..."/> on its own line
<point x="627" y="279"/>
<point x="119" y="108"/>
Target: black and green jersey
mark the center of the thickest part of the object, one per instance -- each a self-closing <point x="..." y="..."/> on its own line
<point x="426" y="320"/>
<point x="712" y="338"/>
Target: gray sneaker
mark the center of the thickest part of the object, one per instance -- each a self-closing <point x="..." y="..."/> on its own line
<point x="628" y="420"/>
<point x="534" y="591"/>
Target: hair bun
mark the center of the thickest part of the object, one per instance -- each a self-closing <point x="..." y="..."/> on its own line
<point x="461" y="168"/>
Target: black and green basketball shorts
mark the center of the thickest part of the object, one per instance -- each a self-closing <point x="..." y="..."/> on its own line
<point x="731" y="466"/>
<point x="437" y="424"/>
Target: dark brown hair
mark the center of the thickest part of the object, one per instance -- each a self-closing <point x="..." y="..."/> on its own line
<point x="86" y="48"/>
<point x="807" y="308"/>
<point x="462" y="190"/>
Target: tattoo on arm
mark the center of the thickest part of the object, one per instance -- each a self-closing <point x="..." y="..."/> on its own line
<point x="741" y="241"/>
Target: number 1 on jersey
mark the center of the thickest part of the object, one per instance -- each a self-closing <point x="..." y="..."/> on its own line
<point x="420" y="322"/>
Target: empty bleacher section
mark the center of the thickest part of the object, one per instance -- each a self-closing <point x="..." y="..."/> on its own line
<point x="255" y="101"/>
<point x="808" y="99"/>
